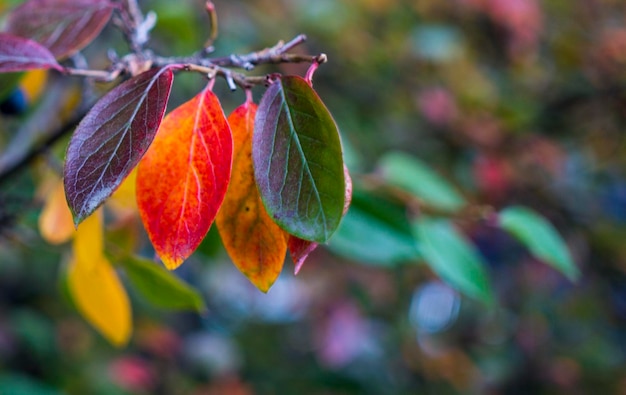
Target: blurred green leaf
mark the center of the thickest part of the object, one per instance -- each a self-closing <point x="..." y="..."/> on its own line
<point x="417" y="177"/>
<point x="8" y="82"/>
<point x="453" y="258"/>
<point x="375" y="230"/>
<point x="17" y="384"/>
<point x="35" y="331"/>
<point x="435" y="42"/>
<point x="540" y="237"/>
<point x="161" y="287"/>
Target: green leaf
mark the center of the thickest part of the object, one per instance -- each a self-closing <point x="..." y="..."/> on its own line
<point x="453" y="258"/>
<point x="18" y="384"/>
<point x="375" y="230"/>
<point x="415" y="176"/>
<point x="298" y="161"/>
<point x="540" y="237"/>
<point x="8" y="82"/>
<point x="161" y="287"/>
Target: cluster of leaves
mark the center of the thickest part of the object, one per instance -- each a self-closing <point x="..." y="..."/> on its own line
<point x="377" y="229"/>
<point x="271" y="176"/>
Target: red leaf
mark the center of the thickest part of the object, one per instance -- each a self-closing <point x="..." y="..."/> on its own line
<point x="183" y="177"/>
<point x="299" y="250"/>
<point x="62" y="26"/>
<point x="111" y="139"/>
<point x="20" y="54"/>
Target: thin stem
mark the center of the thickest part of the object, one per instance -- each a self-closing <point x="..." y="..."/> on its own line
<point x="210" y="9"/>
<point x="100" y="75"/>
<point x="319" y="59"/>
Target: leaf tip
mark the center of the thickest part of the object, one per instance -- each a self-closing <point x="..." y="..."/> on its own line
<point x="171" y="263"/>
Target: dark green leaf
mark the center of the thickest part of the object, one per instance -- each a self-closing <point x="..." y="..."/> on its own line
<point x="375" y="230"/>
<point x="161" y="287"/>
<point x="418" y="178"/>
<point x="453" y="258"/>
<point x="540" y="237"/>
<point x="112" y="138"/>
<point x="298" y="163"/>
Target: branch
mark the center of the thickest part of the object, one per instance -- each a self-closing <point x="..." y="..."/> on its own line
<point x="15" y="166"/>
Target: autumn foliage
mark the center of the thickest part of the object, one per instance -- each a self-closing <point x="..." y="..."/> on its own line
<point x="270" y="175"/>
<point x="273" y="175"/>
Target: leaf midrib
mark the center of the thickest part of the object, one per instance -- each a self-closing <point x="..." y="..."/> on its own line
<point x="295" y="137"/>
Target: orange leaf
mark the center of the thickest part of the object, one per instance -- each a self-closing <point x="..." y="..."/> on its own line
<point x="253" y="241"/>
<point x="183" y="177"/>
<point x="55" y="222"/>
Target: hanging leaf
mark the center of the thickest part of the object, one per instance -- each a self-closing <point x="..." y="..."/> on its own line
<point x="183" y="177"/>
<point x="298" y="163"/>
<point x="101" y="298"/>
<point x="453" y="258"/>
<point x="375" y="230"/>
<point x="62" y="26"/>
<point x="160" y="287"/>
<point x="55" y="221"/>
<point x="299" y="251"/>
<point x="416" y="177"/>
<point x="21" y="54"/>
<point x="540" y="237"/>
<point x="94" y="285"/>
<point x="111" y="139"/>
<point x="89" y="239"/>
<point x="253" y="241"/>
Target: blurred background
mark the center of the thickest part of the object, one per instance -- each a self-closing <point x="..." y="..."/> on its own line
<point x="512" y="101"/>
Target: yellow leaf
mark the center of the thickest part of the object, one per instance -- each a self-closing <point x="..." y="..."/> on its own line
<point x="123" y="202"/>
<point x="101" y="299"/>
<point x="33" y="84"/>
<point x="55" y="221"/>
<point x="253" y="241"/>
<point x="89" y="239"/>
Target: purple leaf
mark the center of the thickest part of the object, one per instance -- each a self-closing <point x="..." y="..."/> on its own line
<point x="20" y="54"/>
<point x="62" y="26"/>
<point x="112" y="138"/>
<point x="298" y="160"/>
